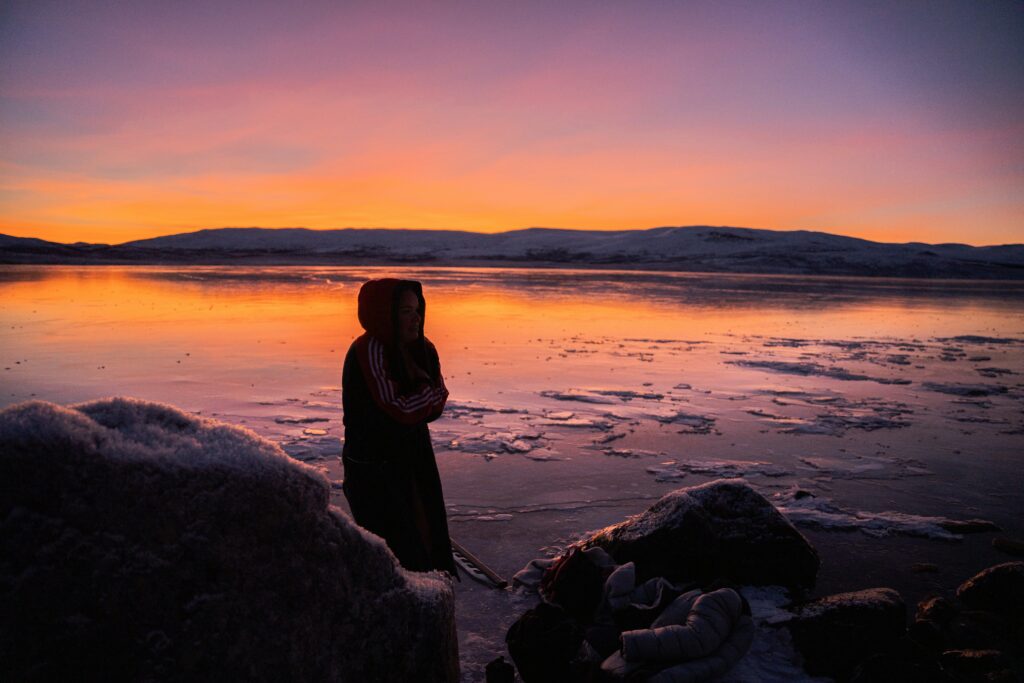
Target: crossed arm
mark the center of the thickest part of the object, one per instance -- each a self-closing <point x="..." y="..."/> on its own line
<point x="423" y="405"/>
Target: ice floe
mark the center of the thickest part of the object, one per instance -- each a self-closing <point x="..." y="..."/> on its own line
<point x="994" y="372"/>
<point x="609" y="437"/>
<point x="602" y="396"/>
<point x="978" y="419"/>
<point x="821" y="513"/>
<point x="674" y="470"/>
<point x="578" y="395"/>
<point x="757" y="412"/>
<point x="693" y="423"/>
<point x="456" y="409"/>
<point x="686" y="342"/>
<point x="837" y="424"/>
<point x="976" y="339"/>
<point x="492" y="444"/>
<point x="631" y="453"/>
<point x="570" y="419"/>
<point x="814" y="369"/>
<point x="628" y="395"/>
<point x="306" y="449"/>
<point x="863" y="467"/>
<point x="844" y="344"/>
<point x="841" y="414"/>
<point x="501" y="517"/>
<point x="964" y="389"/>
<point x="980" y="403"/>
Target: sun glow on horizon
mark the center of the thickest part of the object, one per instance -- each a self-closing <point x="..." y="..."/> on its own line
<point x="164" y="121"/>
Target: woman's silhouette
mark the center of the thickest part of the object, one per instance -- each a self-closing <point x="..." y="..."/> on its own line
<point x="391" y="388"/>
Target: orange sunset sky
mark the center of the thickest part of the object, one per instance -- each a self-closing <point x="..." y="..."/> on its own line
<point x="889" y="121"/>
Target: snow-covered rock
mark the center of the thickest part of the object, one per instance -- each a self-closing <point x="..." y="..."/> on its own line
<point x="139" y="542"/>
<point x="721" y="529"/>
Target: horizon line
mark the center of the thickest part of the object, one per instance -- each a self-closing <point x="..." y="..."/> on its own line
<point x="500" y="232"/>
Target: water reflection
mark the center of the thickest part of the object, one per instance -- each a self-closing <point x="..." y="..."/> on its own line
<point x="142" y="328"/>
<point x="716" y="288"/>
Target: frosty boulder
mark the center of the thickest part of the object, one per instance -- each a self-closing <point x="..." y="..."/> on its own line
<point x="141" y="542"/>
<point x="719" y="530"/>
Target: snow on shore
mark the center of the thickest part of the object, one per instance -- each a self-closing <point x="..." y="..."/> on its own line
<point x="194" y="546"/>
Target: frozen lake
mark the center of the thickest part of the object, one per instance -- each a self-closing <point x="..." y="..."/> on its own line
<point x="580" y="397"/>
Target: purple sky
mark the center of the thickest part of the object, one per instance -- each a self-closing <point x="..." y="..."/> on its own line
<point x="894" y="121"/>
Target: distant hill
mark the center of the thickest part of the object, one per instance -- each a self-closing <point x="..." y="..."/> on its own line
<point x="692" y="248"/>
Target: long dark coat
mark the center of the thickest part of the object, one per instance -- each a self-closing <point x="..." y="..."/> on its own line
<point x="391" y="479"/>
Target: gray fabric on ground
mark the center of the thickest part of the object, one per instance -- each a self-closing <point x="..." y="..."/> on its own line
<point x="621" y="591"/>
<point x="693" y="626"/>
<point x="697" y="636"/>
<point x="533" y="572"/>
<point x="707" y="668"/>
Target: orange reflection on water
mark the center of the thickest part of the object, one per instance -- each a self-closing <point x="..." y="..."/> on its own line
<point x="151" y="308"/>
<point x="152" y="330"/>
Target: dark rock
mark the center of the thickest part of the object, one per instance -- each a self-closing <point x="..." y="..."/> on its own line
<point x="575" y="583"/>
<point x="143" y="543"/>
<point x="969" y="526"/>
<point x="500" y="671"/>
<point x="837" y="632"/>
<point x="937" y="609"/>
<point x="721" y="529"/>
<point x="978" y="630"/>
<point x="543" y="643"/>
<point x="927" y="635"/>
<point x="924" y="568"/>
<point x="998" y="589"/>
<point x="1010" y="546"/>
<point x="976" y="665"/>
<point x="895" y="668"/>
<point x="1004" y="676"/>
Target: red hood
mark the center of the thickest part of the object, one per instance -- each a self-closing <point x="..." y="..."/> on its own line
<point x="377" y="306"/>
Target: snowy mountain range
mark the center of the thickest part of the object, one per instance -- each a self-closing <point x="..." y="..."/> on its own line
<point x="692" y="248"/>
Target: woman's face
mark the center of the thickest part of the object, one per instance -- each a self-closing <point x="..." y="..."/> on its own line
<point x="408" y="317"/>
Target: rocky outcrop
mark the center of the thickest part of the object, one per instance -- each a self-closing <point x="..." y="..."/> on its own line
<point x="978" y="665"/>
<point x="142" y="543"/>
<point x="724" y="533"/>
<point x="998" y="589"/>
<point x="618" y="596"/>
<point x="544" y="643"/>
<point x="979" y="636"/>
<point x="836" y="632"/>
<point x="719" y="530"/>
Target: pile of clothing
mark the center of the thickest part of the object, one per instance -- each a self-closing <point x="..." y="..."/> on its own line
<point x="596" y="623"/>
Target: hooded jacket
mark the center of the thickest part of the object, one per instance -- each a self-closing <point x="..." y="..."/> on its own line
<point x="391" y="479"/>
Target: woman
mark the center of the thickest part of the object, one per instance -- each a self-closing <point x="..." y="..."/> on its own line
<point x="391" y="388"/>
